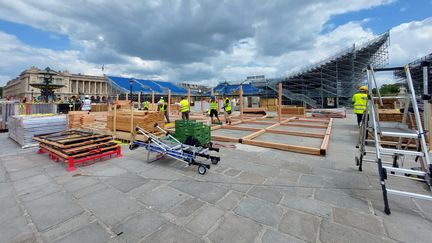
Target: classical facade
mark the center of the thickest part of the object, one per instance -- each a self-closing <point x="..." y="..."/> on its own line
<point x="75" y="85"/>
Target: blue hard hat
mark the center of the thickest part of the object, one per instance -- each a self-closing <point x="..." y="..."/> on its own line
<point x="212" y="97"/>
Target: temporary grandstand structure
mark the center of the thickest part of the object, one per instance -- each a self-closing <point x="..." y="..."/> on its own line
<point x="332" y="81"/>
<point x="417" y="73"/>
<point x="225" y="88"/>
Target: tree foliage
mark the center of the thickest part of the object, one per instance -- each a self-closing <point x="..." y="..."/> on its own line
<point x="388" y="89"/>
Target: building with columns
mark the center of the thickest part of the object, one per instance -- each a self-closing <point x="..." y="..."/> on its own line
<point x="75" y="85"/>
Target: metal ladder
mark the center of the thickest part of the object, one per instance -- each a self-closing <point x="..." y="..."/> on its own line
<point x="371" y="123"/>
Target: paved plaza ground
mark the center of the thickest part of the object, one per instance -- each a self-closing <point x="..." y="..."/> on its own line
<point x="253" y="195"/>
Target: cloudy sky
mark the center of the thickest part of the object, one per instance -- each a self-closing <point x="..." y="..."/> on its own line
<point x="201" y="41"/>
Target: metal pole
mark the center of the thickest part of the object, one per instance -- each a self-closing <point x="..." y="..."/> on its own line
<point x="152" y="100"/>
<point x="426" y="107"/>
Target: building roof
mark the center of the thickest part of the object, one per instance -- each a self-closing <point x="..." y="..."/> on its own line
<point x="145" y="86"/>
<point x="234" y="89"/>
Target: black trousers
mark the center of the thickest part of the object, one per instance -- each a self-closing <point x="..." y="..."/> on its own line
<point x="359" y="118"/>
<point x="185" y="115"/>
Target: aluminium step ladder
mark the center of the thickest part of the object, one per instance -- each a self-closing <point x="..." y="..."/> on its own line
<point x="399" y="130"/>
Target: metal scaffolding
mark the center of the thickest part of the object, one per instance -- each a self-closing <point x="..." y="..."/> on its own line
<point x="417" y="74"/>
<point x="332" y="81"/>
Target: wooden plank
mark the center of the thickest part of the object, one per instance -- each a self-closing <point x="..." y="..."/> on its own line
<point x="285" y="147"/>
<point x="241" y="102"/>
<point x="279" y="102"/>
<point x="254" y="135"/>
<point x="313" y="120"/>
<point x="230" y="127"/>
<point x="301" y="134"/>
<point x="303" y="125"/>
<point x="224" y="139"/>
<point x="326" y="139"/>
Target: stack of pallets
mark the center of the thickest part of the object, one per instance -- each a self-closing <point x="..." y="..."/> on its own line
<point x="75" y="146"/>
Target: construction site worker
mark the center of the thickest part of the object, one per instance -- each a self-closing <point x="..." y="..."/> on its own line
<point x="86" y="104"/>
<point x="359" y="101"/>
<point x="228" y="109"/>
<point x="162" y="106"/>
<point x="184" y="108"/>
<point x="213" y="109"/>
<point x="146" y="105"/>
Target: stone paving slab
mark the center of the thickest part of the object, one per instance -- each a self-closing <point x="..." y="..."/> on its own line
<point x="230" y="227"/>
<point x="271" y="236"/>
<point x="163" y="198"/>
<point x="53" y="209"/>
<point x="259" y="210"/>
<point x="139" y="226"/>
<point x="355" y="219"/>
<point x="110" y="206"/>
<point x="315" y="207"/>
<point x="92" y="233"/>
<point x="172" y="233"/>
<point x="126" y="182"/>
<point x="205" y="218"/>
<point x="205" y="191"/>
<point x="16" y="230"/>
<point x="301" y="225"/>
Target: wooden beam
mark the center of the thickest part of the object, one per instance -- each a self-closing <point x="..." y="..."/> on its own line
<point x="241" y="102"/>
<point x="280" y="102"/>
<point x="286" y="147"/>
<point x="325" y="142"/>
<point x="169" y="102"/>
<point x="189" y="96"/>
<point x="254" y="135"/>
<point x="153" y="99"/>
<point x="301" y="134"/>
<point x="230" y="127"/>
<point x="132" y="120"/>
<point x="224" y="139"/>
<point x="313" y="120"/>
<point x="303" y="125"/>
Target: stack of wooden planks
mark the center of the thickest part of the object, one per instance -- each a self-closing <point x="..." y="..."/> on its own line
<point x="99" y="107"/>
<point x="270" y="104"/>
<point x="74" y="118"/>
<point x="22" y="128"/>
<point x="87" y="119"/>
<point x="74" y="145"/>
<point x="122" y="104"/>
<point x="143" y="119"/>
<point x="254" y="111"/>
<point x="293" y="110"/>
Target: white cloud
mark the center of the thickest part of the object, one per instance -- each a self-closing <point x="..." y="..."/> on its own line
<point x="193" y="40"/>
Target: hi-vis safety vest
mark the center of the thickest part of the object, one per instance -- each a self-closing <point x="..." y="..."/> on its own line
<point x="214" y="105"/>
<point x="146" y="104"/>
<point x="184" y="106"/>
<point x="359" y="100"/>
<point x="162" y="107"/>
<point x="227" y="105"/>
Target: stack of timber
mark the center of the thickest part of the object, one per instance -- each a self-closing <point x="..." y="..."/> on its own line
<point x="269" y="104"/>
<point x="143" y="119"/>
<point x="293" y="110"/>
<point x="22" y="128"/>
<point x="87" y="119"/>
<point x="74" y="118"/>
<point x="75" y="146"/>
<point x="254" y="111"/>
<point x="99" y="125"/>
<point x="99" y="107"/>
<point x="122" y="104"/>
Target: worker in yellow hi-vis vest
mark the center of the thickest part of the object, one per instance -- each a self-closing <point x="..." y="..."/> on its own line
<point x="359" y="101"/>
<point x="227" y="108"/>
<point x="214" y="109"/>
<point x="184" y="108"/>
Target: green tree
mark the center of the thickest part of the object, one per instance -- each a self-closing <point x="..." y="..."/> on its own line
<point x="390" y="89"/>
<point x="1" y="92"/>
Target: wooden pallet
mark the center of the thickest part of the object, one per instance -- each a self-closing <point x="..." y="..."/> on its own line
<point x="73" y="145"/>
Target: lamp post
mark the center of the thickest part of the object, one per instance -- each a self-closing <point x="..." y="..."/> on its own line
<point x="130" y="85"/>
<point x="31" y="101"/>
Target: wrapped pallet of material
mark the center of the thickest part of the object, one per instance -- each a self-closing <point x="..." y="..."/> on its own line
<point x="22" y="128"/>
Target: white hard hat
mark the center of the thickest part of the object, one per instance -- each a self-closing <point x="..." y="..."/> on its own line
<point x="86" y="96"/>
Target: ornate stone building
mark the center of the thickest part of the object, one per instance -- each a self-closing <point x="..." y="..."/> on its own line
<point x="74" y="85"/>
